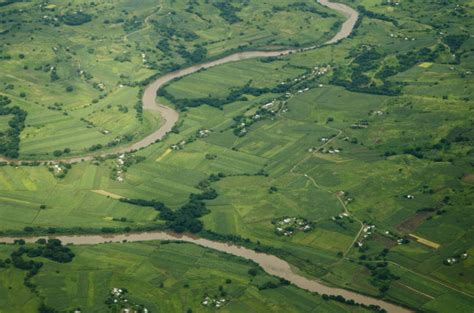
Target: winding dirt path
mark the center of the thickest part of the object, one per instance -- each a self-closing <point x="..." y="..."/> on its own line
<point x="170" y="116"/>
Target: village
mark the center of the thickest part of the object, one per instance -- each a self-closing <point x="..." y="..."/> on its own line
<point x="121" y="165"/>
<point x="288" y="226"/>
<point x="455" y="259"/>
<point x="59" y="170"/>
<point x="118" y="301"/>
<point x="216" y="302"/>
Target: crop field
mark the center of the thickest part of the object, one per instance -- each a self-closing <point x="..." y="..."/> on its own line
<point x="368" y="141"/>
<point x="95" y="61"/>
<point x="162" y="277"/>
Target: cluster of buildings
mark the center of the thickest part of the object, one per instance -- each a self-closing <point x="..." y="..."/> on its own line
<point x="331" y="150"/>
<point x="119" y="168"/>
<point x="402" y="36"/>
<point x="276" y="106"/>
<point x="367" y="230"/>
<point x="179" y="146"/>
<point x="453" y="260"/>
<point x="118" y="298"/>
<point x="319" y="71"/>
<point x="340" y="216"/>
<point x="287" y="226"/>
<point x="57" y="169"/>
<point x="208" y="301"/>
<point x="202" y="133"/>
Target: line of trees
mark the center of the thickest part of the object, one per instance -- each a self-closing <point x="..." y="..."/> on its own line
<point x="237" y="94"/>
<point x="185" y="218"/>
<point x="10" y="138"/>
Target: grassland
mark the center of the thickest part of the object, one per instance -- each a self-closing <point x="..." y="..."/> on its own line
<point x="404" y="160"/>
<point x="162" y="277"/>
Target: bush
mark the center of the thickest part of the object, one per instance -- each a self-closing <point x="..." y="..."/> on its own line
<point x="76" y="18"/>
<point x="252" y="272"/>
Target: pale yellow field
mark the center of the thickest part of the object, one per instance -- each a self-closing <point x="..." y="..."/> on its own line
<point x="426" y="242"/>
<point x="108" y="194"/>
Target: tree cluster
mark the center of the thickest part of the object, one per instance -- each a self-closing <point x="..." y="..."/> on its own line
<point x="236" y="94"/>
<point x="185" y="218"/>
<point x="10" y="138"/>
<point x="228" y="12"/>
<point x="76" y="18"/>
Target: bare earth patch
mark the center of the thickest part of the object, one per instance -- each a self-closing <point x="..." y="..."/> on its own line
<point x="108" y="194"/>
<point x="412" y="223"/>
<point x="468" y="178"/>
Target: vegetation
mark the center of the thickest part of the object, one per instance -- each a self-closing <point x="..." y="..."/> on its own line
<point x="84" y="95"/>
<point x="184" y="274"/>
<point x="10" y="137"/>
<point x="368" y="141"/>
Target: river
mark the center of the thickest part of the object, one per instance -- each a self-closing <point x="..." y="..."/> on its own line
<point x="269" y="263"/>
<point x="170" y="116"/>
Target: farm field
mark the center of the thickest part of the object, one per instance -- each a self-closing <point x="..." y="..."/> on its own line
<point x="352" y="162"/>
<point x="79" y="75"/>
<point x="161" y="277"/>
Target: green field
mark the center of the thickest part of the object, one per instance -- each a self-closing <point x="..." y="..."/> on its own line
<point x="375" y="130"/>
<point x="48" y="48"/>
<point x="162" y="277"/>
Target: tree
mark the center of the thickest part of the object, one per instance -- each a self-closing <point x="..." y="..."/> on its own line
<point x="252" y="272"/>
<point x="46" y="309"/>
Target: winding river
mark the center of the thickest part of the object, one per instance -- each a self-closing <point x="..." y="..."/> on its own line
<point x="170" y="116"/>
<point x="270" y="263"/>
